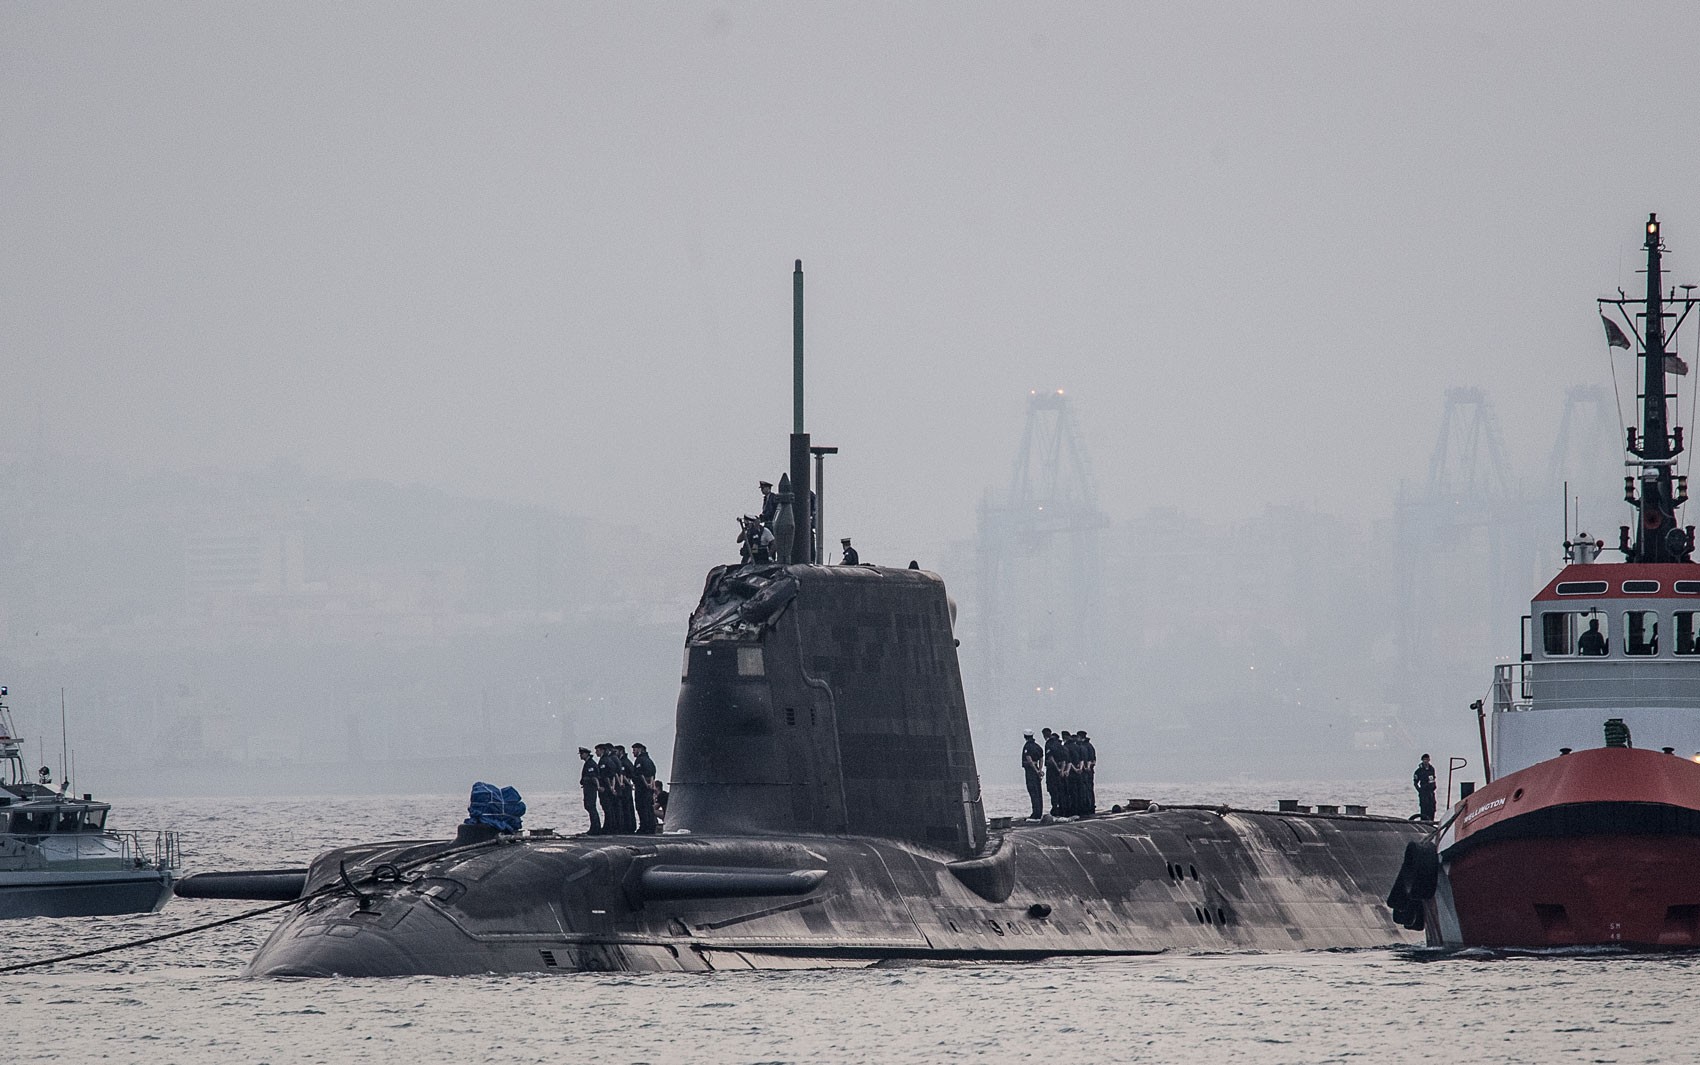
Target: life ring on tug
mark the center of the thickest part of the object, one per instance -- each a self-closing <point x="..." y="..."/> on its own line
<point x="1419" y="874"/>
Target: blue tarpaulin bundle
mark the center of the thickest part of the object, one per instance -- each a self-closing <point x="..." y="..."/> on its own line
<point x="500" y="808"/>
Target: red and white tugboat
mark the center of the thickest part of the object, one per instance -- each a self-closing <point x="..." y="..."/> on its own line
<point x="1588" y="830"/>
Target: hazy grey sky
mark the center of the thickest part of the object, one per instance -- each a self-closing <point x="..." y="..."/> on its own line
<point x="542" y="252"/>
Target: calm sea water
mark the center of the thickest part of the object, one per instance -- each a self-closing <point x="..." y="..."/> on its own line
<point x="183" y="1001"/>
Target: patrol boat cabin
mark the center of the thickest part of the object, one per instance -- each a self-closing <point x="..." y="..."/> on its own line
<point x="58" y="858"/>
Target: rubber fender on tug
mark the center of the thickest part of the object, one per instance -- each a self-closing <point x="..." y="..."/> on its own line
<point x="1419" y="874"/>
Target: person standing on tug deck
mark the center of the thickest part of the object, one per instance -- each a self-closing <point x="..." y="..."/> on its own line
<point x="1423" y="780"/>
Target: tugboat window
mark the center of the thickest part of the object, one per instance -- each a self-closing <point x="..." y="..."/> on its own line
<point x="1640" y="632"/>
<point x="94" y="820"/>
<point x="68" y="821"/>
<point x="1685" y="644"/>
<point x="1558" y="632"/>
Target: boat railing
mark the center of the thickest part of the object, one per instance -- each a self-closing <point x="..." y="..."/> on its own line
<point x="1512" y="690"/>
<point x="164" y="852"/>
<point x="134" y="848"/>
<point x="1624" y="685"/>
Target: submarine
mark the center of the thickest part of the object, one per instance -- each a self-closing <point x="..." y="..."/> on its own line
<point x="826" y="811"/>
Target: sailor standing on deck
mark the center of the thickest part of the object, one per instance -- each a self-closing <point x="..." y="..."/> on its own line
<point x="587" y="784"/>
<point x="606" y="770"/>
<point x="1032" y="765"/>
<point x="1088" y="774"/>
<point x="1054" y="771"/>
<point x="1423" y="781"/>
<point x="1074" y="753"/>
<point x="643" y="778"/>
<point x="625" y="797"/>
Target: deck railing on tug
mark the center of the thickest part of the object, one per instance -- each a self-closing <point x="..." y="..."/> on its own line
<point x="1511" y="687"/>
<point x="1577" y="682"/>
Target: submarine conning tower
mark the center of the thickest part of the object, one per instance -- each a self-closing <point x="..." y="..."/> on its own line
<point x="825" y="699"/>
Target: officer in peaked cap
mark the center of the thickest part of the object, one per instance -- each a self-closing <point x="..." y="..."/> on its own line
<point x="587" y="775"/>
<point x="1053" y="771"/>
<point x="1032" y="767"/>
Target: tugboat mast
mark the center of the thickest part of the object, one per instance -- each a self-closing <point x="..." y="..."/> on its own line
<point x="1656" y="444"/>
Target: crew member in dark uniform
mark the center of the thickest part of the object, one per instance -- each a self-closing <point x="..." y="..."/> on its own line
<point x="1593" y="642"/>
<point x="769" y="503"/>
<point x="587" y="784"/>
<point x="1032" y="766"/>
<point x="1075" y="756"/>
<point x="1088" y="774"/>
<point x="625" y="797"/>
<point x="643" y="779"/>
<point x="1054" y="771"/>
<point x="606" y="770"/>
<point x="1423" y="781"/>
<point x="851" y="558"/>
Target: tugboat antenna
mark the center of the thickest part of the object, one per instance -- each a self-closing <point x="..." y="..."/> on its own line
<point x="1655" y="492"/>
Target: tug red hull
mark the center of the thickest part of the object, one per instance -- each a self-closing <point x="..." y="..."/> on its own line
<point x="1599" y="847"/>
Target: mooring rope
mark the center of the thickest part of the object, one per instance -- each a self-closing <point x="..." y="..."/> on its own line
<point x="330" y="888"/>
<point x="39" y="962"/>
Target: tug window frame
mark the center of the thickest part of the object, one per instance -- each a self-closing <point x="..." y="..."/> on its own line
<point x="1687" y="638"/>
<point x="1562" y="631"/>
<point x="1636" y="640"/>
<point x="1558" y="633"/>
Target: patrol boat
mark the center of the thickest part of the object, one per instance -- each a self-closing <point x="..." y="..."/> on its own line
<point x="1588" y="830"/>
<point x="826" y="811"/>
<point x="58" y="858"/>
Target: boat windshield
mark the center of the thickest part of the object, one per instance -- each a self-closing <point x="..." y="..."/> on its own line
<point x="32" y="822"/>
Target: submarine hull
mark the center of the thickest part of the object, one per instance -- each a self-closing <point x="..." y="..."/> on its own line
<point x="1180" y="878"/>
